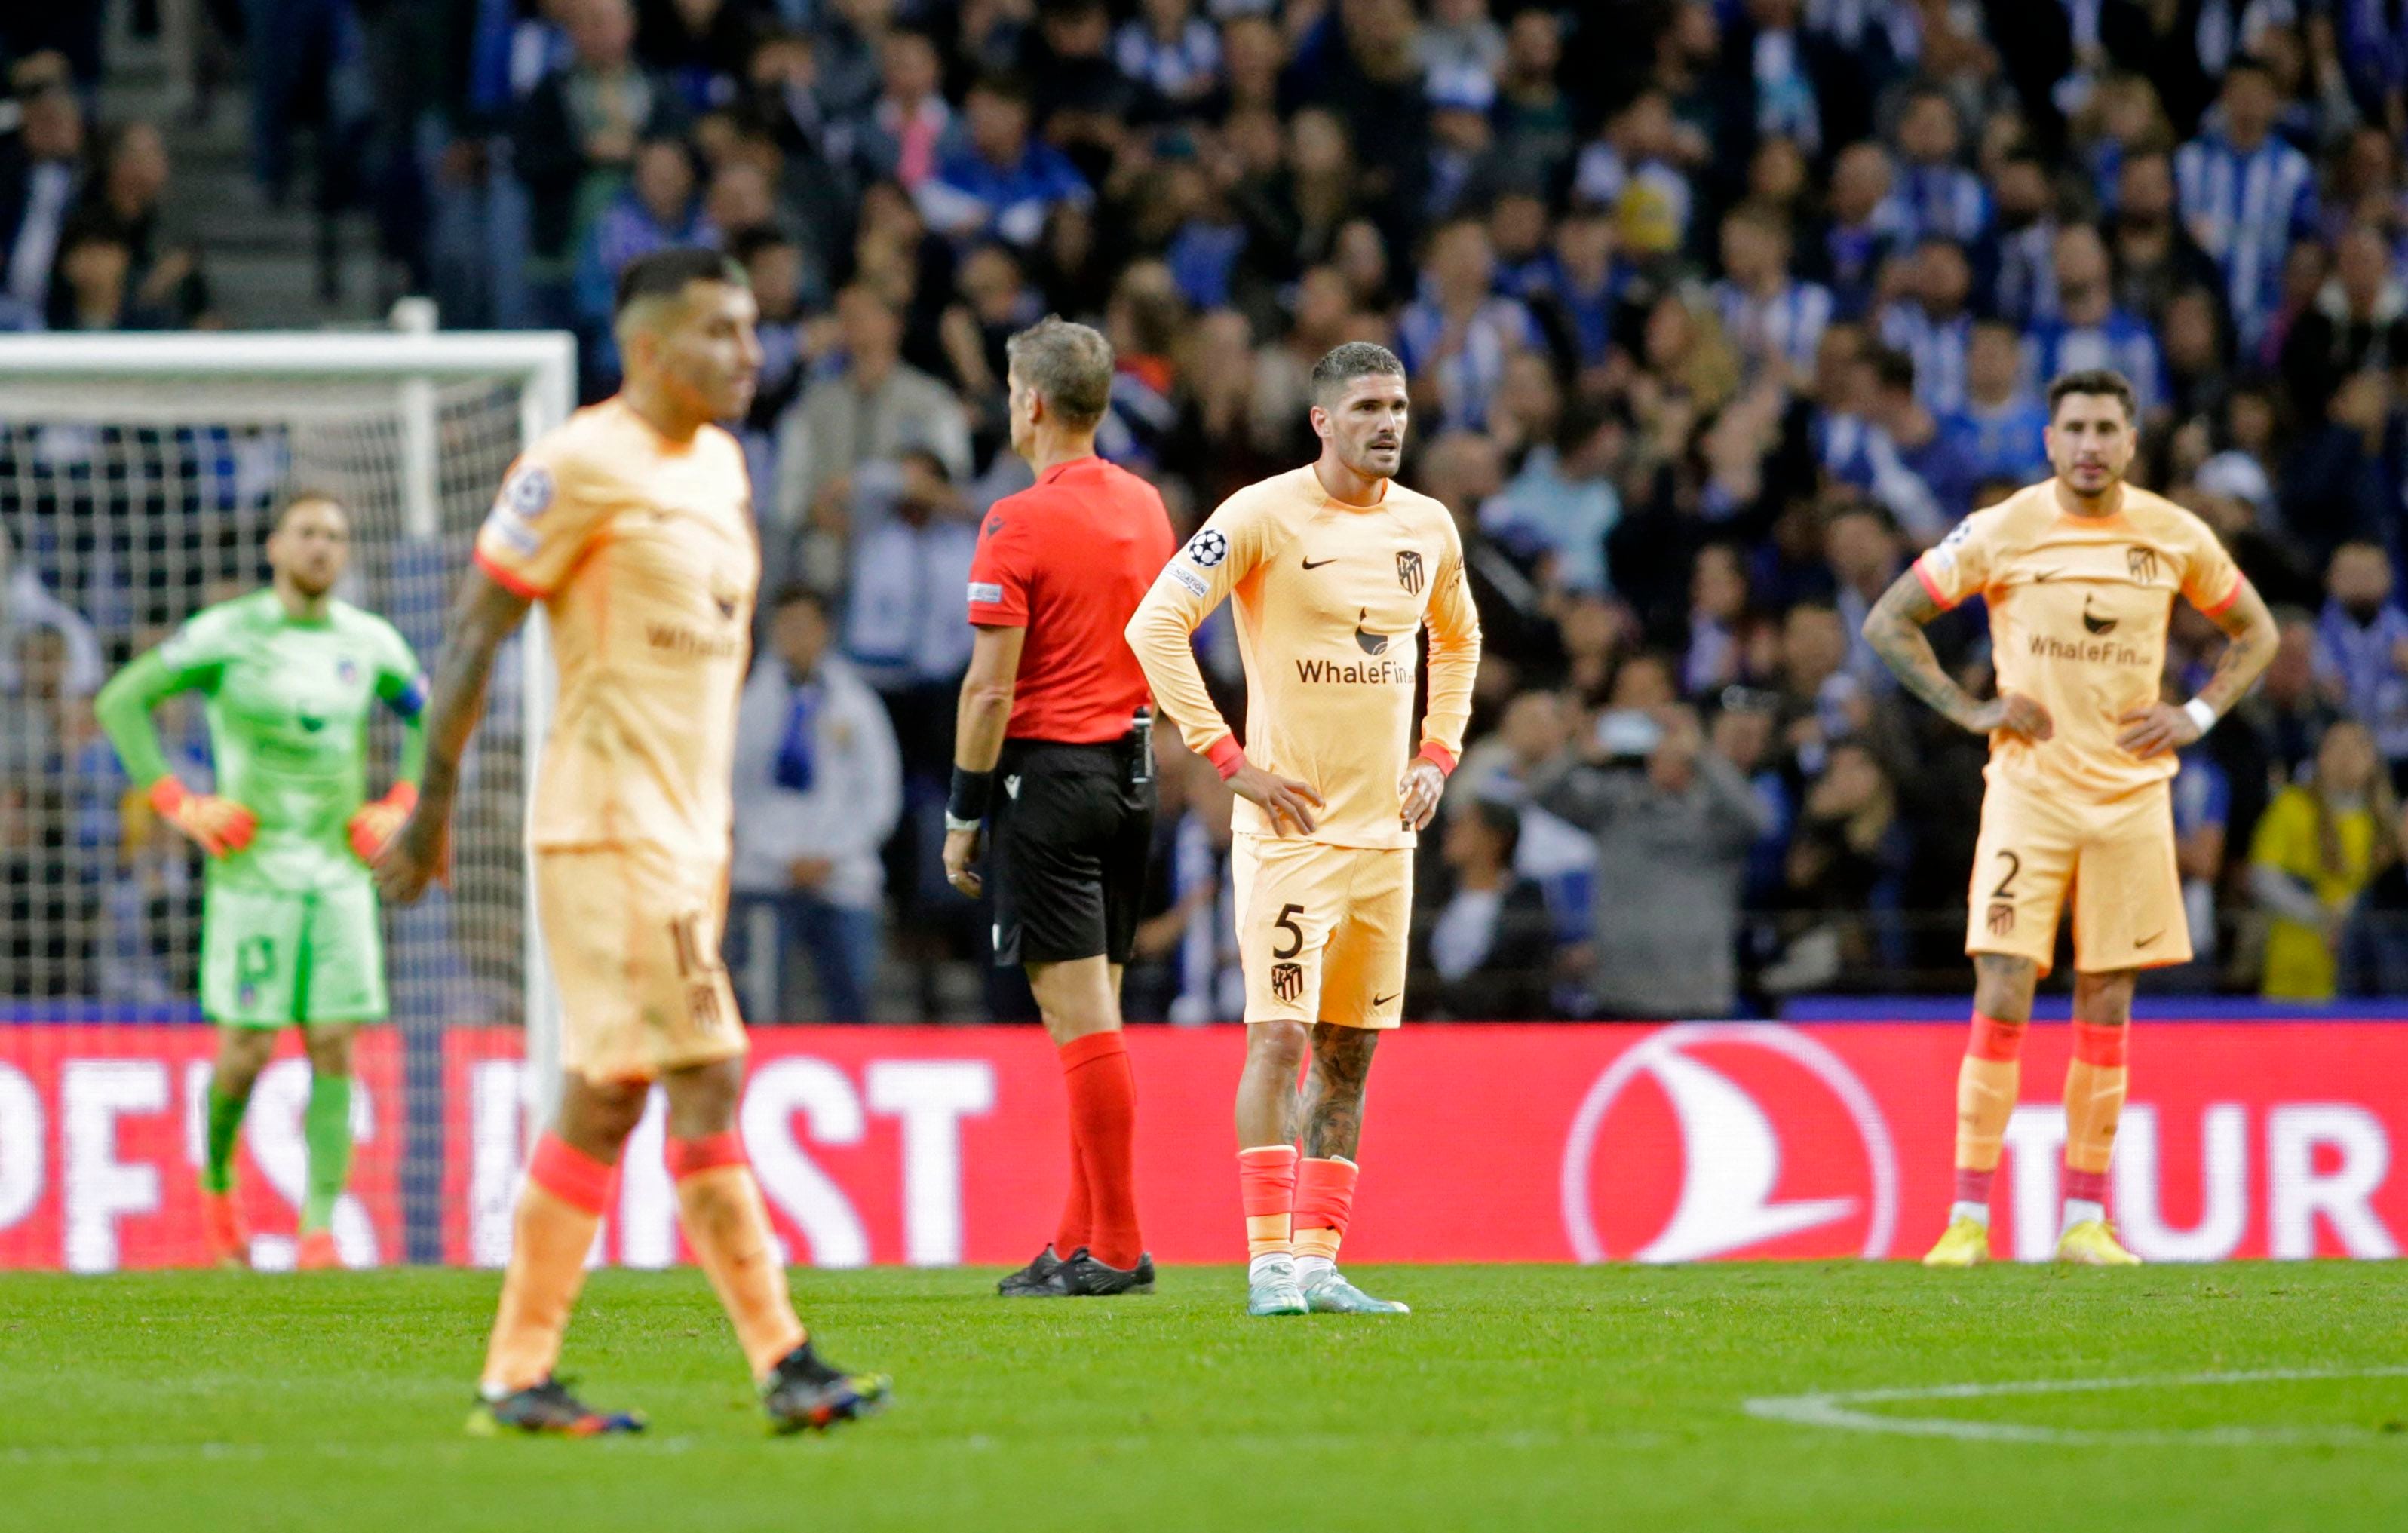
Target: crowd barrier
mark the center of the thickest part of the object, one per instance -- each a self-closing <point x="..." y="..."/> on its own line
<point x="1499" y="1142"/>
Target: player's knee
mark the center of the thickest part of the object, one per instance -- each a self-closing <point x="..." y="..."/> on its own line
<point x="242" y="1053"/>
<point x="1277" y="1044"/>
<point x="1341" y="1058"/>
<point x="330" y="1053"/>
<point x="703" y="1099"/>
<point x="597" y="1116"/>
<point x="2103" y="1000"/>
<point x="2003" y="985"/>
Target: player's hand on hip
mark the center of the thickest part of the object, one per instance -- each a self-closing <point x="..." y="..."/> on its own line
<point x="218" y="825"/>
<point x="1419" y="788"/>
<point x="2013" y="713"/>
<point x="417" y="854"/>
<point x="961" y="850"/>
<point x="375" y="823"/>
<point x="1284" y="798"/>
<point x="2157" y="729"/>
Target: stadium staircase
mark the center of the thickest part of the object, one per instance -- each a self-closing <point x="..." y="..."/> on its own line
<point x="264" y="262"/>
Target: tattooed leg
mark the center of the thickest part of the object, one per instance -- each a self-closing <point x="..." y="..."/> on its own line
<point x="1333" y="1089"/>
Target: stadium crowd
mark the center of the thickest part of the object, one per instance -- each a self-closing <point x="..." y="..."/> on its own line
<point x="1716" y="311"/>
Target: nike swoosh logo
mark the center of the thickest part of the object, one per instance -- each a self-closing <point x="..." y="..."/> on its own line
<point x="1316" y="564"/>
<point x="1382" y="1000"/>
<point x="2047" y="575"/>
<point x="2145" y="941"/>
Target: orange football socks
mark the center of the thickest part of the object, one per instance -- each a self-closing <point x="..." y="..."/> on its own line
<point x="1987" y="1083"/>
<point x="726" y="1222"/>
<point x="2094" y="1083"/>
<point x="1266" y="1191"/>
<point x="559" y="1210"/>
<point x="1325" y="1199"/>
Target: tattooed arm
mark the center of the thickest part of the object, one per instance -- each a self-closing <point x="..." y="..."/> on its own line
<point x="1894" y="628"/>
<point x="482" y="616"/>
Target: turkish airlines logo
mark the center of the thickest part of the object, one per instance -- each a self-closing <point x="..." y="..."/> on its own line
<point x="1723" y="1139"/>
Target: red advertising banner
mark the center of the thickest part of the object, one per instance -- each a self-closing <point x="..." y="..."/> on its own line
<point x="1501" y="1142"/>
<point x="101" y="1134"/>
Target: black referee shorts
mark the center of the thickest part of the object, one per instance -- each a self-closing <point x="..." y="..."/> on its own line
<point x="1070" y="827"/>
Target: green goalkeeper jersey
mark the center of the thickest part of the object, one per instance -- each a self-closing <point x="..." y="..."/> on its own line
<point x="289" y="702"/>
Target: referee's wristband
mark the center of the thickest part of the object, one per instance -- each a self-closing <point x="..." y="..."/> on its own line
<point x="2202" y="714"/>
<point x="970" y="794"/>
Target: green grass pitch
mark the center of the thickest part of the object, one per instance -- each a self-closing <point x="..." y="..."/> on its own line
<point x="1513" y="1399"/>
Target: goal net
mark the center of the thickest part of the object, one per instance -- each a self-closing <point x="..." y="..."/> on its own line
<point x="137" y="477"/>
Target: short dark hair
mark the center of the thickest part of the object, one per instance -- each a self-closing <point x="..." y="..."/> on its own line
<point x="665" y="274"/>
<point x="1070" y="365"/>
<point x="1893" y="369"/>
<point x="796" y="594"/>
<point x="1005" y="83"/>
<point x="1343" y="364"/>
<point x="1881" y="515"/>
<point x="746" y="244"/>
<point x="2105" y="381"/>
<point x="1929" y="90"/>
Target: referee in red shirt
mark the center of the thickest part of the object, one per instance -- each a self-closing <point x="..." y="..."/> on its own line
<point x="1053" y="713"/>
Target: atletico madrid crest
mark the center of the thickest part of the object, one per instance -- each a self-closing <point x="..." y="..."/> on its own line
<point x="1409" y="570"/>
<point x="1287" y="980"/>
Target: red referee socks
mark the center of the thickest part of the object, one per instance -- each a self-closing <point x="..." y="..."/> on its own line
<point x="1103" y="1139"/>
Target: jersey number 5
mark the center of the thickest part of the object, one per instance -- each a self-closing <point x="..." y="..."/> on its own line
<point x="1294" y="941"/>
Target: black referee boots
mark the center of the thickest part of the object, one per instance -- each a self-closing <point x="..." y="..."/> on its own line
<point x="1030" y="1281"/>
<point x="1082" y="1276"/>
<point x="1078" y="1276"/>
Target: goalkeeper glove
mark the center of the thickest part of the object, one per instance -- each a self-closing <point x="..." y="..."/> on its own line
<point x="219" y="825"/>
<point x="376" y="823"/>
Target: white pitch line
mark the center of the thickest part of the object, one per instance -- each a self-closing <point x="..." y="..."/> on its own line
<point x="1836" y="1409"/>
<point x="37" y="1455"/>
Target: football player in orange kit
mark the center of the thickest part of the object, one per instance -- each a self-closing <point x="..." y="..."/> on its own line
<point x="632" y="524"/>
<point x="1332" y="571"/>
<point x="2080" y="576"/>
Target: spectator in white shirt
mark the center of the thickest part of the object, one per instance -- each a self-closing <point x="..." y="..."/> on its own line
<point x="819" y="787"/>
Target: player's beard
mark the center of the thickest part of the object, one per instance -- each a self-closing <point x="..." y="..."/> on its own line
<point x="2105" y="483"/>
<point x="1379" y="461"/>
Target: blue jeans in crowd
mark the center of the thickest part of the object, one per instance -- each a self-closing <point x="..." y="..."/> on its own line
<point x="769" y="933"/>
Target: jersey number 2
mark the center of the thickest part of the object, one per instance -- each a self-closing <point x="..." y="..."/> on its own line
<point x="2006" y="889"/>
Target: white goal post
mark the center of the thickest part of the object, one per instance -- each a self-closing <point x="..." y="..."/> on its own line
<point x="136" y="473"/>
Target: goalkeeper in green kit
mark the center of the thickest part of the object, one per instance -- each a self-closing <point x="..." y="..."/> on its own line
<point x="289" y="929"/>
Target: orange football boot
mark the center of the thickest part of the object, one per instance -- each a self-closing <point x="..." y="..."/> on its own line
<point x="221" y="1222"/>
<point x="317" y="1252"/>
